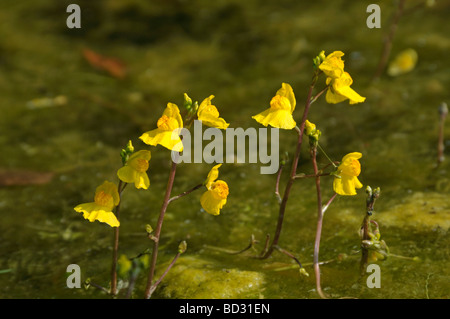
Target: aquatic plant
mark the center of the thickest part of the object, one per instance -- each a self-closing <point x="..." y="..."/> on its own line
<point x="337" y="88"/>
<point x="134" y="171"/>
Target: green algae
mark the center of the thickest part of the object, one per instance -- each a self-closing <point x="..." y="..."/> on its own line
<point x="194" y="278"/>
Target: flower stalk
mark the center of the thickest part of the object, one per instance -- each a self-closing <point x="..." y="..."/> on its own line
<point x="157" y="232"/>
<point x="313" y="153"/>
<point x="120" y="189"/>
<point x="293" y="172"/>
<point x="443" y="111"/>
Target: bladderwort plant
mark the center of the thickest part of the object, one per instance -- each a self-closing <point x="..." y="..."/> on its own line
<point x="107" y="199"/>
<point x="337" y="89"/>
<point x="373" y="248"/>
<point x="169" y="134"/>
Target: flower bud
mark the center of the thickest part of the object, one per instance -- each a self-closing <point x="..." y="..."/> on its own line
<point x="303" y="272"/>
<point x="182" y="247"/>
<point x="187" y="103"/>
<point x="126" y="152"/>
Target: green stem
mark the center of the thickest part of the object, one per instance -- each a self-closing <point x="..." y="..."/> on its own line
<point x="326" y="155"/>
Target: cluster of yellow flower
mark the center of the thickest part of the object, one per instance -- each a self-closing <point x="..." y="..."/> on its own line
<point x="279" y="115"/>
<point x="136" y="165"/>
<point x="338" y="83"/>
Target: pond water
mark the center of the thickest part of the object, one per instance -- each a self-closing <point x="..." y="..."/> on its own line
<point x="63" y="124"/>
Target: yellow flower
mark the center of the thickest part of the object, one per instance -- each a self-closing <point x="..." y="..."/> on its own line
<point x="281" y="108"/>
<point x="404" y="62"/>
<point x="106" y="198"/>
<point x="124" y="265"/>
<point x="215" y="197"/>
<point x="312" y="133"/>
<point x="348" y="171"/>
<point x="310" y="128"/>
<point x="209" y="115"/>
<point x="340" y="90"/>
<point x="134" y="170"/>
<point x="333" y="66"/>
<point x="169" y="125"/>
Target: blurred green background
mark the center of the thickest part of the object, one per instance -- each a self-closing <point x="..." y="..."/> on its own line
<point x="63" y="123"/>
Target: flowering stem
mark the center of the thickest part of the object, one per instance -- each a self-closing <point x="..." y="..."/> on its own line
<point x="155" y="285"/>
<point x="319" y="224"/>
<point x="148" y="290"/>
<point x="387" y="46"/>
<point x="443" y="111"/>
<point x="325" y="207"/>
<point x="277" y="184"/>
<point x="310" y="175"/>
<point x="326" y="155"/>
<point x="319" y="94"/>
<point x="185" y="193"/>
<point x="120" y="189"/>
<point x="293" y="171"/>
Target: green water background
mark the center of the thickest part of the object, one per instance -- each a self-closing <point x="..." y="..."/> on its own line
<point x="240" y="51"/>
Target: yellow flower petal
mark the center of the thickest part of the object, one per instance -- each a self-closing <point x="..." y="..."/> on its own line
<point x="350" y="94"/>
<point x="211" y="204"/>
<point x="279" y="118"/>
<point x="353" y="155"/>
<point x="279" y="114"/>
<point x="340" y="90"/>
<point x="106" y="197"/>
<point x="338" y="187"/>
<point x="309" y="127"/>
<point x="215" y="198"/>
<point x="126" y="174"/>
<point x="348" y="171"/>
<point x="143" y="154"/>
<point x="209" y="115"/>
<point x="167" y="133"/>
<point x="108" y="218"/>
<point x="287" y="92"/>
<point x="404" y="62"/>
<point x="334" y="98"/>
<point x="333" y="66"/>
<point x="110" y="189"/>
<point x="135" y="169"/>
<point x="142" y="180"/>
<point x="172" y="111"/>
<point x="93" y="212"/>
<point x="212" y="176"/>
<point x="164" y="138"/>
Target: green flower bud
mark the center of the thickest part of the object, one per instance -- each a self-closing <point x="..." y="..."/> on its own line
<point x="187" y="103"/>
<point x="182" y="247"/>
<point x="303" y="272"/>
<point x="126" y="152"/>
<point x="319" y="59"/>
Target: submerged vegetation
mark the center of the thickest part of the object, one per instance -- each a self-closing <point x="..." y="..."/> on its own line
<point x="86" y="124"/>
